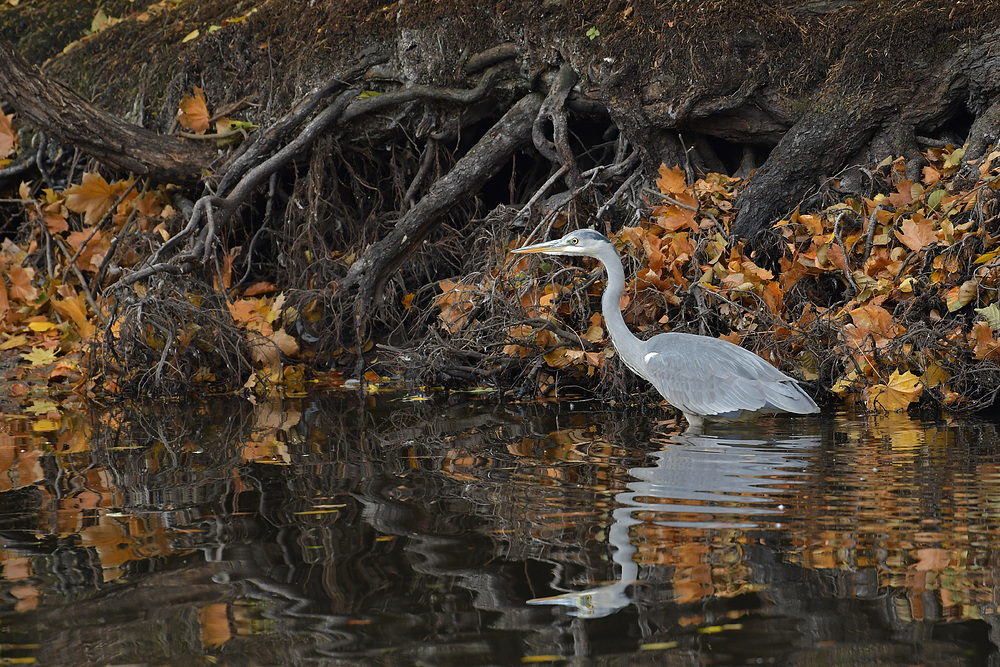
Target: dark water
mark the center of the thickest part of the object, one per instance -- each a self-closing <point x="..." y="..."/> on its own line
<point x="333" y="530"/>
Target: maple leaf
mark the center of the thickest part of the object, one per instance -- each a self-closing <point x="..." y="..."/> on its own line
<point x="896" y="394"/>
<point x="39" y="357"/>
<point x="916" y="236"/>
<point x="672" y="180"/>
<point x="55" y="221"/>
<point x="42" y="407"/>
<point x="93" y="197"/>
<point x="904" y="194"/>
<point x="931" y="176"/>
<point x="193" y="113"/>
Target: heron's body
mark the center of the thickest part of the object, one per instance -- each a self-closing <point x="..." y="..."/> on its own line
<point x="701" y="376"/>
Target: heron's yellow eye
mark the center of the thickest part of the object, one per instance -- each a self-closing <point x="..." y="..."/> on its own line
<point x="574" y="240"/>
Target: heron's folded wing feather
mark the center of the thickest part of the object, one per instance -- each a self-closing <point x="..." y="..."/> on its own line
<point x="708" y="376"/>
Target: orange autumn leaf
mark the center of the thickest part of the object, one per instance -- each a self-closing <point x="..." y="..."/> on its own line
<point x="93" y="197"/>
<point x="91" y="256"/>
<point x="214" y="622"/>
<point x="916" y="235"/>
<point x="193" y="113"/>
<point x="904" y="194"/>
<point x="4" y="304"/>
<point x="260" y="288"/>
<point x="243" y="310"/>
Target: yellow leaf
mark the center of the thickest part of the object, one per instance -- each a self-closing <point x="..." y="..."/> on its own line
<point x="408" y="300"/>
<point x="191" y="35"/>
<point x="14" y="341"/>
<point x="45" y="425"/>
<point x="934" y="375"/>
<point x="39" y="357"/>
<point x="41" y="326"/>
<point x="42" y="407"/>
<point x="896" y="394"/>
<point x="74" y="309"/>
<point x="594" y="334"/>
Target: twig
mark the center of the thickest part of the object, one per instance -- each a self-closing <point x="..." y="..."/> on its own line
<point x="83" y="282"/>
<point x="843" y="249"/>
<point x="870" y="233"/>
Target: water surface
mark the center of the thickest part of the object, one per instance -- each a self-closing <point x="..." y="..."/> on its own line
<point x="338" y="530"/>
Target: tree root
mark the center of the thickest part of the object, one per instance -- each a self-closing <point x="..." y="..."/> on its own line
<point x="491" y="152"/>
<point x="216" y="209"/>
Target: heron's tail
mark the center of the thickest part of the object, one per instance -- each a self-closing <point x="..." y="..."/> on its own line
<point x="789" y="397"/>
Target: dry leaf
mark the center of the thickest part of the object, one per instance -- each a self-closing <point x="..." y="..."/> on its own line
<point x="288" y="345"/>
<point x="961" y="296"/>
<point x="39" y="357"/>
<point x="916" y="235"/>
<point x="8" y="139"/>
<point x="193" y="112"/>
<point x="74" y="309"/>
<point x="20" y="283"/>
<point x="93" y="197"/>
<point x="672" y="180"/>
<point x="896" y="394"/>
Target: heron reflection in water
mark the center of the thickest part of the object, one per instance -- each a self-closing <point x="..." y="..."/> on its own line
<point x="706" y="378"/>
<point x="707" y="483"/>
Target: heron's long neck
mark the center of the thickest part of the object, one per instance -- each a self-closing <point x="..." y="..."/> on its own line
<point x="624" y="340"/>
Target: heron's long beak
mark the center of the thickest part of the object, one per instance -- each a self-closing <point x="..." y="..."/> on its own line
<point x="548" y="246"/>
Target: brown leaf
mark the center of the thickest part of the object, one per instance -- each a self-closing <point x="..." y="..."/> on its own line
<point x="288" y="345"/>
<point x="961" y="296"/>
<point x="20" y="283"/>
<point x="916" y="235"/>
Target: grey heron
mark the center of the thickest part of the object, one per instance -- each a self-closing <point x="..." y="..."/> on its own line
<point x="703" y="377"/>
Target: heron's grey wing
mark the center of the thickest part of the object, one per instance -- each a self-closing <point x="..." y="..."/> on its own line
<point x="708" y="376"/>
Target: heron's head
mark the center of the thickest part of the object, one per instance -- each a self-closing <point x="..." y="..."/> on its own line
<point x="581" y="242"/>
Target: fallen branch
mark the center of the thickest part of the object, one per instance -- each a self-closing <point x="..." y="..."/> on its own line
<point x="72" y="120"/>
